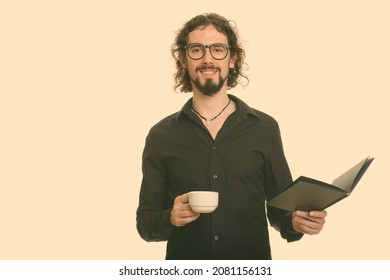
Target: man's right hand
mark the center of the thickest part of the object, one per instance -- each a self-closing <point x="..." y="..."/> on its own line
<point x="182" y="213"/>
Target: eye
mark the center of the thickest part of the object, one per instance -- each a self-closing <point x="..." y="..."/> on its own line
<point x="218" y="48"/>
<point x="195" y="49"/>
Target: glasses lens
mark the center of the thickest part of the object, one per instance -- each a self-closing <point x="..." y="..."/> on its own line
<point x="218" y="51"/>
<point x="196" y="51"/>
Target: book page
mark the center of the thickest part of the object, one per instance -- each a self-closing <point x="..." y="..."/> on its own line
<point x="347" y="181"/>
<point x="307" y="194"/>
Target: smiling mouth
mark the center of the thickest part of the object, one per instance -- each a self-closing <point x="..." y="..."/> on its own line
<point x="208" y="69"/>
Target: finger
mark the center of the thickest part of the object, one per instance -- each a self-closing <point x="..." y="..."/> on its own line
<point x="188" y="219"/>
<point x="184" y="198"/>
<point x="312" y="223"/>
<point x="187" y="213"/>
<point x="181" y="202"/>
<point x="311" y="214"/>
<point x="309" y="230"/>
<point x="309" y="227"/>
<point x="184" y="207"/>
<point x="181" y="218"/>
<point x="318" y="214"/>
<point x="301" y="213"/>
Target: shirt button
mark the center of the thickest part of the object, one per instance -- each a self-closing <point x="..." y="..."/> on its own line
<point x="214" y="148"/>
<point x="215" y="176"/>
<point x="216" y="238"/>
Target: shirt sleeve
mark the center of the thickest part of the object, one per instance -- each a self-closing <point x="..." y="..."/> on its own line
<point x="153" y="212"/>
<point x="278" y="177"/>
<point x="281" y="220"/>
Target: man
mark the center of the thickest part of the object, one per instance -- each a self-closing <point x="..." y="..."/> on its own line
<point x="215" y="142"/>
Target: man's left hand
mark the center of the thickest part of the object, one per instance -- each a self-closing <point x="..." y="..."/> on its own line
<point x="308" y="222"/>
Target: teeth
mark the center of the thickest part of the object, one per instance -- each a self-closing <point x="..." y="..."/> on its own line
<point x="208" y="72"/>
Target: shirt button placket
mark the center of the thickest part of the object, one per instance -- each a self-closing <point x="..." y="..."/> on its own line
<point x="213" y="162"/>
<point x="215" y="181"/>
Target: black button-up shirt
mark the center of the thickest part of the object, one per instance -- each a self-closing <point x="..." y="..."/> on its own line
<point x="245" y="164"/>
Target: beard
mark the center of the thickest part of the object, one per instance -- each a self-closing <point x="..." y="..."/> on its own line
<point x="209" y="88"/>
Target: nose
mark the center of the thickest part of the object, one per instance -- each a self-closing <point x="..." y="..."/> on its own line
<point x="207" y="56"/>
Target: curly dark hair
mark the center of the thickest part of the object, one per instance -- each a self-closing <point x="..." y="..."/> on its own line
<point x="182" y="78"/>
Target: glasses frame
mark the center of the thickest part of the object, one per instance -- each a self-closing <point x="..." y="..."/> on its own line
<point x="187" y="47"/>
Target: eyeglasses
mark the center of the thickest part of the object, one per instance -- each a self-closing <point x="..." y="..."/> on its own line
<point x="197" y="51"/>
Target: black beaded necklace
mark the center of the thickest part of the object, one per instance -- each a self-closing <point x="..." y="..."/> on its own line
<point x="210" y="120"/>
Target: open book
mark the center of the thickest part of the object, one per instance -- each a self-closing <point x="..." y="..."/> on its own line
<point x="308" y="194"/>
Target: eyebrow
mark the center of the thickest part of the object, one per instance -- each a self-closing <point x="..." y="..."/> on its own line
<point x="207" y="44"/>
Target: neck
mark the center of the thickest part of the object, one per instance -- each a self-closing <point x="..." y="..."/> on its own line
<point x="209" y="106"/>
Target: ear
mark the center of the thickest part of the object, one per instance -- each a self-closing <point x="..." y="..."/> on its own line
<point x="183" y="61"/>
<point x="232" y="61"/>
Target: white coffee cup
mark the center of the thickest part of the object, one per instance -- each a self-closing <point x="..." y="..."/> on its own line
<point x="203" y="201"/>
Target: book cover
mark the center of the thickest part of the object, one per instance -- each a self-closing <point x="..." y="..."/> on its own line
<point x="309" y="194"/>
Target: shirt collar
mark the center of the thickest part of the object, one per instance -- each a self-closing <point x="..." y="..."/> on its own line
<point x="242" y="109"/>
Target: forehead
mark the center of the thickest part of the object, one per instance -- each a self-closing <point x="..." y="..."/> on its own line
<point x="206" y="35"/>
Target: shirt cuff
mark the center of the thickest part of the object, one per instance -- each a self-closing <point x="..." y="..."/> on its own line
<point x="288" y="231"/>
<point x="166" y="225"/>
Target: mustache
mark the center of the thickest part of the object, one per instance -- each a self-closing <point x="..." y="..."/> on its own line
<point x="207" y="67"/>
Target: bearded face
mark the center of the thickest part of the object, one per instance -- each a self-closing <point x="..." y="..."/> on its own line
<point x="210" y="80"/>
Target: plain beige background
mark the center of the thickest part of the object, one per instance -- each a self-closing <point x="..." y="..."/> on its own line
<point x="81" y="83"/>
